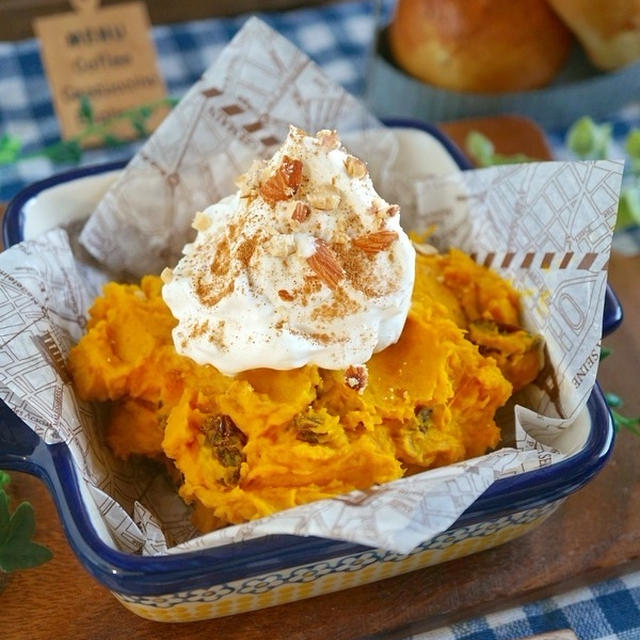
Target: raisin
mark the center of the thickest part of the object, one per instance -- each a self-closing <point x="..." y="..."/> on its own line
<point x="307" y="429"/>
<point x="423" y="418"/>
<point x="226" y="440"/>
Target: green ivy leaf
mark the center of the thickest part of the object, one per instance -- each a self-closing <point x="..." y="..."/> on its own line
<point x="632" y="147"/>
<point x="140" y="127"/>
<point x="622" y="422"/>
<point x="22" y="524"/>
<point x="632" y="144"/>
<point x="4" y="479"/>
<point x="619" y="421"/>
<point x="23" y="556"/>
<point x="65" y="152"/>
<point x="17" y="551"/>
<point x="480" y="148"/>
<point x="605" y="352"/>
<point x="516" y="158"/>
<point x="70" y="152"/>
<point x="613" y="400"/>
<point x="4" y="514"/>
<point x="10" y="148"/>
<point x="628" y="208"/>
<point x="112" y="140"/>
<point x="86" y="110"/>
<point x="589" y="140"/>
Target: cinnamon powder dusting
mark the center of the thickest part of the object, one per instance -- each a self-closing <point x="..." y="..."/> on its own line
<point x="221" y="259"/>
<point x="246" y="249"/>
<point x="210" y="293"/>
<point x="312" y="284"/>
<point x="360" y="269"/>
<point x="341" y="305"/>
<point x="199" y="329"/>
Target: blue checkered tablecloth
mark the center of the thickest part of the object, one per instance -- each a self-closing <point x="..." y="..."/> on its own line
<point x="339" y="38"/>
<point x="608" y="610"/>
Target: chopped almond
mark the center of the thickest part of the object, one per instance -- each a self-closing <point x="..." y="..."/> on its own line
<point x="285" y="295"/>
<point x="280" y="245"/>
<point x="284" y="183"/>
<point x="325" y="199"/>
<point x="355" y="167"/>
<point x="425" y="248"/>
<point x="301" y="211"/>
<point x="393" y="210"/>
<point x="328" y="138"/>
<point x="325" y="264"/>
<point x="166" y="275"/>
<point x="201" y="222"/>
<point x="372" y="243"/>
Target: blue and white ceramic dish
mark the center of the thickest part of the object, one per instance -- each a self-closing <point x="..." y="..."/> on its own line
<point x="274" y="569"/>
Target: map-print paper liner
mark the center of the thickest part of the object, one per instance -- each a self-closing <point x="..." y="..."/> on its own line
<point x="241" y="108"/>
<point x="545" y="226"/>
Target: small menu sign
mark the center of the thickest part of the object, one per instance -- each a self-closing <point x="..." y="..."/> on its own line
<point x="100" y="62"/>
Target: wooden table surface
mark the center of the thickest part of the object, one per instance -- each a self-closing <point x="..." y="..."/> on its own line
<point x="595" y="534"/>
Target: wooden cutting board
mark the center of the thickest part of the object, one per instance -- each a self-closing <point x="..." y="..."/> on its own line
<point x="595" y="534"/>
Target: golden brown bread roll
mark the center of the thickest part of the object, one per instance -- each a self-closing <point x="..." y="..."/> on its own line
<point x="609" y="30"/>
<point x="479" y="45"/>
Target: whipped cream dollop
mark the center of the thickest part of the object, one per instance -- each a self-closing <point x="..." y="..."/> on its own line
<point x="305" y="264"/>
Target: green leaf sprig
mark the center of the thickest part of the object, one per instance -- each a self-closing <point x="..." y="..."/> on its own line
<point x="483" y="153"/>
<point x="619" y="421"/>
<point x="17" y="551"/>
<point x="70" y="151"/>
<point x="590" y="141"/>
<point x="615" y="402"/>
<point x="10" y="148"/>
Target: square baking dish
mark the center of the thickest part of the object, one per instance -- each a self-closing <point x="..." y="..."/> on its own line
<point x="279" y="568"/>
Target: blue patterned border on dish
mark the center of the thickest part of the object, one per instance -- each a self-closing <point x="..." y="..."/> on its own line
<point x="347" y="564"/>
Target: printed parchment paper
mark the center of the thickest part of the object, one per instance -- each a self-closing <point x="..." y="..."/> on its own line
<point x="240" y="109"/>
<point x="546" y="226"/>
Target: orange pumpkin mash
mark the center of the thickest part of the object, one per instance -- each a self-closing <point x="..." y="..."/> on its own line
<point x="266" y="440"/>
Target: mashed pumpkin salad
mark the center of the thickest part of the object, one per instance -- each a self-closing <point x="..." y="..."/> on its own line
<point x="264" y="440"/>
<point x="301" y="348"/>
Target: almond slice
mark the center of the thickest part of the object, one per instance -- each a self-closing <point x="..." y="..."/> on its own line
<point x="324" y="198"/>
<point x="393" y="210"/>
<point x="301" y="211"/>
<point x="355" y="167"/>
<point x="284" y="183"/>
<point x="201" y="221"/>
<point x="424" y="248"/>
<point x="285" y="295"/>
<point x="372" y="243"/>
<point x="325" y="264"/>
<point x="328" y="138"/>
<point x="280" y="245"/>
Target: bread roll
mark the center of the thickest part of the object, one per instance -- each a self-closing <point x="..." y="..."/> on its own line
<point x="484" y="46"/>
<point x="609" y="30"/>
